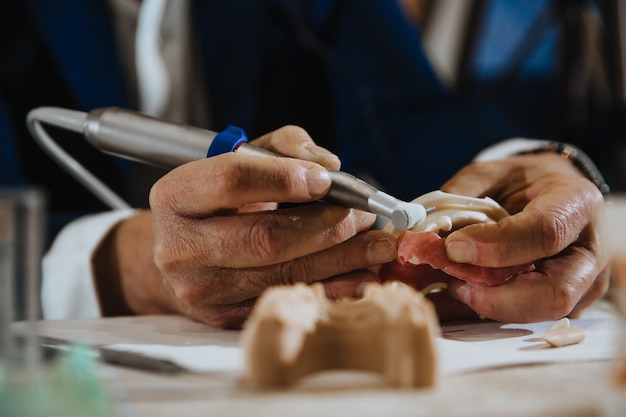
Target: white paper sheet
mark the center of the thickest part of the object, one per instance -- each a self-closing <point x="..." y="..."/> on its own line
<point x="194" y="358"/>
<point x="484" y="345"/>
<point x="462" y="348"/>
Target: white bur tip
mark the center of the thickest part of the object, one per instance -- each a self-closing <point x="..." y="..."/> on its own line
<point x="407" y="215"/>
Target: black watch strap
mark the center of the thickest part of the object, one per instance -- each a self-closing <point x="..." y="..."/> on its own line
<point x="579" y="158"/>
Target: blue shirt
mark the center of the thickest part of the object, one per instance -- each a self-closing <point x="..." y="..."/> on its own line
<point x="351" y="72"/>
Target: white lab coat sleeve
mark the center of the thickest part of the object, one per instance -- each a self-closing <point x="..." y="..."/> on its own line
<point x="508" y="148"/>
<point x="67" y="287"/>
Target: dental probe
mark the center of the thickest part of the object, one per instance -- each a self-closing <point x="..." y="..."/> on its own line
<point x="152" y="141"/>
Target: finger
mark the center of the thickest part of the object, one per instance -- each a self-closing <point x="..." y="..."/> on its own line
<point x="295" y="142"/>
<point x="349" y="285"/>
<point x="479" y="180"/>
<point x="230" y="286"/>
<point x="508" y="179"/>
<point x="551" y="292"/>
<point x="257" y="239"/>
<point x="221" y="316"/>
<point x="598" y="290"/>
<point x="233" y="316"/>
<point x="229" y="181"/>
<point x="551" y="221"/>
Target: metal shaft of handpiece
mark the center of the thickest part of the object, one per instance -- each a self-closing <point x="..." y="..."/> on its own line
<point x="145" y="139"/>
<point x="150" y="140"/>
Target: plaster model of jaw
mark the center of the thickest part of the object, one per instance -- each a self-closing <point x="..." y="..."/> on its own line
<point x="295" y="331"/>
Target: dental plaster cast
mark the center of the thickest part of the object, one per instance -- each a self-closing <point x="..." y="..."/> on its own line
<point x="422" y="261"/>
<point x="296" y="330"/>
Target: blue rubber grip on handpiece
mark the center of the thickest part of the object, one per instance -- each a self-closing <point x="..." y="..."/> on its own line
<point x="228" y="140"/>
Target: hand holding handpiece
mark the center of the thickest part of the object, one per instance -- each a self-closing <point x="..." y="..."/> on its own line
<point x="211" y="243"/>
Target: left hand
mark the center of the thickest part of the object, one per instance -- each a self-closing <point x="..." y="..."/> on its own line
<point x="554" y="222"/>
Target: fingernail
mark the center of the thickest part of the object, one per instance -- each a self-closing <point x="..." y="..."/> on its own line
<point x="463" y="293"/>
<point x="317" y="181"/>
<point x="461" y="251"/>
<point x="381" y="251"/>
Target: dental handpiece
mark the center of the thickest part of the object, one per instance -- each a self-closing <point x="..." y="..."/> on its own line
<point x="142" y="138"/>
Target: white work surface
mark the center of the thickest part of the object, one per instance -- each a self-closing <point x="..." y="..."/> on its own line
<point x="475" y="380"/>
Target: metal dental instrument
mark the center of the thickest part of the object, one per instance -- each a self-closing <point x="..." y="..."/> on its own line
<point x="149" y="140"/>
<point x="52" y="346"/>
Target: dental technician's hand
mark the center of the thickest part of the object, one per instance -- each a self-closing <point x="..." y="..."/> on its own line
<point x="555" y="224"/>
<point x="217" y="243"/>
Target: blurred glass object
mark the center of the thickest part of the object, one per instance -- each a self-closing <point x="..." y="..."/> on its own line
<point x="33" y="384"/>
<point x="22" y="234"/>
<point x="614" y="232"/>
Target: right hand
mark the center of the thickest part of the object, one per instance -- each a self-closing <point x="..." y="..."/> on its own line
<point x="218" y="244"/>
